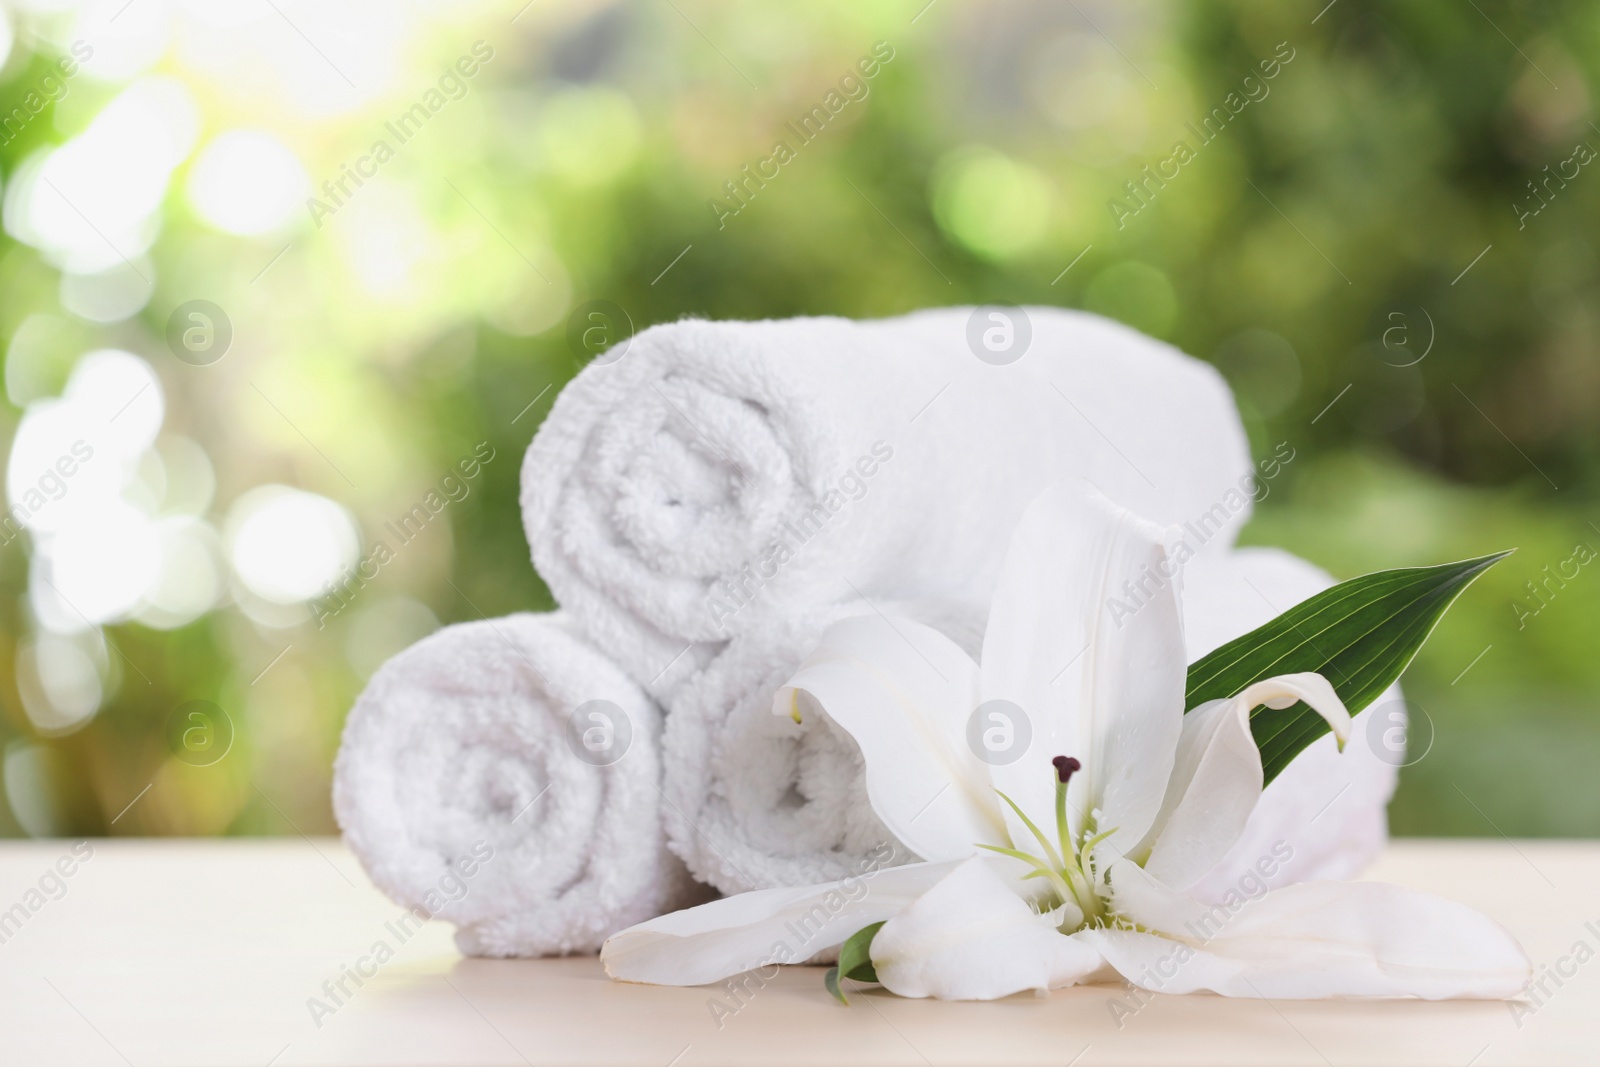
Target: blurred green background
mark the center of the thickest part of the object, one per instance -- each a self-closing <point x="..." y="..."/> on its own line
<point x="1387" y="245"/>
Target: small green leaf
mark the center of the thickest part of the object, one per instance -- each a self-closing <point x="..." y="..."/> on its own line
<point x="830" y="981"/>
<point x="1360" y="635"/>
<point x="855" y="961"/>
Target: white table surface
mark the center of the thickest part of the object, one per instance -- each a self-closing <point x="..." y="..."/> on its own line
<point x="206" y="952"/>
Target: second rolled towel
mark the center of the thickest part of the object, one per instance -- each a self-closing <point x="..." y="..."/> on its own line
<point x="504" y="775"/>
<point x="759" y="800"/>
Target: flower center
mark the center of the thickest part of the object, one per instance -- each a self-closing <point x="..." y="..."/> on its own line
<point x="1067" y="862"/>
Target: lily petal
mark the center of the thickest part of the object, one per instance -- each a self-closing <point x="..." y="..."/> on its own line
<point x="737" y="934"/>
<point x="972" y="937"/>
<point x="1216" y="778"/>
<point x="904" y="692"/>
<point x="1328" y="807"/>
<point x="1316" y="939"/>
<point x="1085" y="635"/>
<point x="1286" y="690"/>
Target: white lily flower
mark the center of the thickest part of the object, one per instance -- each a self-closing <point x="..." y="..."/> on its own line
<point x="1143" y="801"/>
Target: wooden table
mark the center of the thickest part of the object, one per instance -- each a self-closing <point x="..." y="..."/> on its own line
<point x="206" y="953"/>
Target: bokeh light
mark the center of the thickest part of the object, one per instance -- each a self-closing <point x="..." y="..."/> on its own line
<point x="247" y="182"/>
<point x="101" y="565"/>
<point x="59" y="683"/>
<point x="188" y="580"/>
<point x="61" y="202"/>
<point x="112" y="295"/>
<point x="286" y="545"/>
<point x="990" y="203"/>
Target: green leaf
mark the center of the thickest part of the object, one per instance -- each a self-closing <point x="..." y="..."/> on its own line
<point x="855" y="961"/>
<point x="1360" y="635"/>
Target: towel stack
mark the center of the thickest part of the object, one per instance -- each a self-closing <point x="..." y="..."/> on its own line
<point x="703" y="508"/>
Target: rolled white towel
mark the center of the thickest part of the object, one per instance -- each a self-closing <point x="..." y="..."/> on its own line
<point x="757" y="800"/>
<point x="1325" y="816"/>
<point x="504" y="775"/>
<point x="718" y="467"/>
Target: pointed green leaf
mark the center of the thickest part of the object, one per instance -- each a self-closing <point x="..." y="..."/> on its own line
<point x="1360" y="635"/>
<point x="855" y="961"/>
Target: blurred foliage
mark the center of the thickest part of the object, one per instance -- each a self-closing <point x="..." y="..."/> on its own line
<point x="1384" y="170"/>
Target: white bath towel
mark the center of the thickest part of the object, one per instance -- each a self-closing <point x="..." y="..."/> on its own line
<point x="716" y="467"/>
<point x="1325" y="816"/>
<point x="504" y="775"/>
<point x="757" y="800"/>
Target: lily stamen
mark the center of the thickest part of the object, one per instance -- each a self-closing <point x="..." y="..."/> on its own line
<point x="1065" y="767"/>
<point x="1071" y="870"/>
